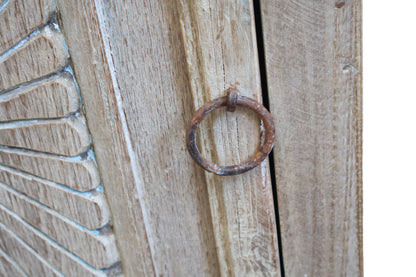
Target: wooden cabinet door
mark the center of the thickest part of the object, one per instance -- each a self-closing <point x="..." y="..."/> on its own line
<point x="95" y="177"/>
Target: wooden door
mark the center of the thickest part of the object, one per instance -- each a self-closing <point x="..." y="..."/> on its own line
<point x="95" y="177"/>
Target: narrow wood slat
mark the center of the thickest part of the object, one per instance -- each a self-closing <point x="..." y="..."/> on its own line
<point x="8" y="267"/>
<point x="56" y="255"/>
<point x="42" y="53"/>
<point x="79" y="173"/>
<point x="18" y="18"/>
<point x="219" y="41"/>
<point x="56" y="96"/>
<point x="26" y="258"/>
<point x="313" y="61"/>
<point x="82" y="29"/>
<point x="88" y="209"/>
<point x="67" y="136"/>
<point x="95" y="247"/>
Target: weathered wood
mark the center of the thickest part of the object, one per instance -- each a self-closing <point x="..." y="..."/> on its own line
<point x="56" y="96"/>
<point x="95" y="247"/>
<point x="56" y="255"/>
<point x="67" y="136"/>
<point x="21" y="17"/>
<point x="138" y="113"/>
<point x="42" y="53"/>
<point x="83" y="35"/>
<point x="313" y="56"/>
<point x="220" y="45"/>
<point x="8" y="267"/>
<point x="79" y="173"/>
<point x="26" y="258"/>
<point x="29" y="54"/>
<point x="88" y="209"/>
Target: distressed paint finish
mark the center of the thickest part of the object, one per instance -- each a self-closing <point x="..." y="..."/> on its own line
<point x="313" y="62"/>
<point x="41" y="53"/>
<point x="140" y="108"/>
<point x="79" y="173"/>
<point x="21" y="17"/>
<point x="88" y="209"/>
<point x="53" y="97"/>
<point x="54" y="217"/>
<point x="83" y="34"/>
<point x="26" y="258"/>
<point x="96" y="247"/>
<point x="143" y="68"/>
<point x="55" y="254"/>
<point x="8" y="267"/>
<point x="67" y="136"/>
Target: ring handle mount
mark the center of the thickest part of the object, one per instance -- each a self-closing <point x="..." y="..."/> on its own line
<point x="231" y="101"/>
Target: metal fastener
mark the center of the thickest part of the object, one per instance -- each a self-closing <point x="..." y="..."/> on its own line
<point x="231" y="101"/>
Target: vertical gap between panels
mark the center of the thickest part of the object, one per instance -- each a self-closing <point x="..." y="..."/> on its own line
<point x="265" y="96"/>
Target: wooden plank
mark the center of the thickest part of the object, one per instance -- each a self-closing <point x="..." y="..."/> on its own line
<point x="56" y="96"/>
<point x="42" y="53"/>
<point x="166" y="190"/>
<point x="221" y="52"/>
<point x="95" y="247"/>
<point x="79" y="173"/>
<point x="83" y="35"/>
<point x="27" y="259"/>
<point x="313" y="61"/>
<point x="18" y="18"/>
<point x="8" y="267"/>
<point x="67" y="136"/>
<point x="88" y="209"/>
<point x="56" y="255"/>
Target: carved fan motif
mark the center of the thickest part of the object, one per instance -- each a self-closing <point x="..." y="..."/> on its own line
<point x="54" y="218"/>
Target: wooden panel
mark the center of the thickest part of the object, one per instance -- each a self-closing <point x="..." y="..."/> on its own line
<point x="41" y="53"/>
<point x="52" y="97"/>
<point x="8" y="267"/>
<point x="27" y="259"/>
<point x="21" y="17"/>
<point x="221" y="52"/>
<point x="88" y="209"/>
<point x="67" y="136"/>
<point x="79" y="173"/>
<point x="85" y="42"/>
<point x="61" y="259"/>
<point x="96" y="247"/>
<point x="143" y="159"/>
<point x="313" y="55"/>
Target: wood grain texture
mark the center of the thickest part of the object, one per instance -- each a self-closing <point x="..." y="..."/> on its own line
<point x="138" y="112"/>
<point x="88" y="209"/>
<point x="8" y="267"/>
<point x="21" y="17"/>
<point x="95" y="247"/>
<point x="56" y="96"/>
<point x="67" y="136"/>
<point x="56" y="255"/>
<point x="26" y="258"/>
<point x="221" y="52"/>
<point x="82" y="31"/>
<point x="79" y="173"/>
<point x="313" y="55"/>
<point x="41" y="53"/>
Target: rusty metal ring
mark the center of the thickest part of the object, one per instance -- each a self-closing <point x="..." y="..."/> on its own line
<point x="231" y="101"/>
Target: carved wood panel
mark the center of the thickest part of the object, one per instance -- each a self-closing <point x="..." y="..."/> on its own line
<point x="54" y="216"/>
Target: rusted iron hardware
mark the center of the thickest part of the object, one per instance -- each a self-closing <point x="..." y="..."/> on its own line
<point x="231" y="101"/>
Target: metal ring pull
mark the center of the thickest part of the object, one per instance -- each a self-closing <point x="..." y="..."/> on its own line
<point x="231" y="101"/>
